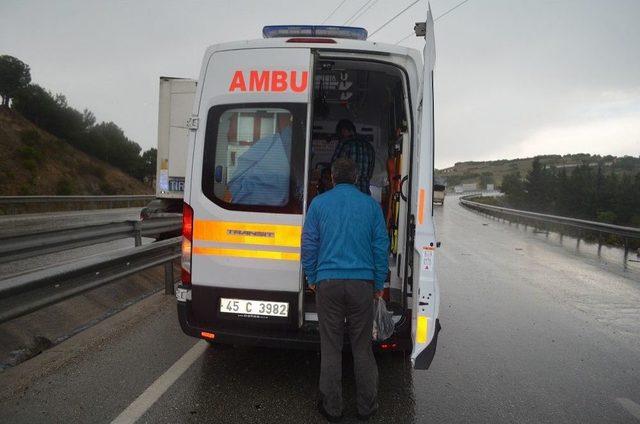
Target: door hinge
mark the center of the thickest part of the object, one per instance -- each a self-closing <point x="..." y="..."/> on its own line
<point x="193" y="122"/>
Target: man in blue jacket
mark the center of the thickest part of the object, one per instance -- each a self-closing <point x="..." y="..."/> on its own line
<point x="345" y="258"/>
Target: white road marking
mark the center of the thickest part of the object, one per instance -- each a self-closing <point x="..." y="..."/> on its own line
<point x="146" y="400"/>
<point x="631" y="407"/>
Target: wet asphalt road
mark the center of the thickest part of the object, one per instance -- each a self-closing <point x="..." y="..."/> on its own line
<point x="533" y="332"/>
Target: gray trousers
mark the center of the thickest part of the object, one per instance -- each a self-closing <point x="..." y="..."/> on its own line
<point x="353" y="300"/>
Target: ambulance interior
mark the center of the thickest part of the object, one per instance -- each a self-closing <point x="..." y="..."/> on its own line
<point x="372" y="95"/>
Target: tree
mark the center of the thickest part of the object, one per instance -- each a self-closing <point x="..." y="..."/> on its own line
<point x="563" y="194"/>
<point x="51" y="113"/>
<point x="513" y="188"/>
<point x="148" y="164"/>
<point x="14" y="75"/>
<point x="539" y="186"/>
<point x="581" y="194"/>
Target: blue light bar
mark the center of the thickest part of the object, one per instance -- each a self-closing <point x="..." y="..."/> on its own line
<point x="280" y="31"/>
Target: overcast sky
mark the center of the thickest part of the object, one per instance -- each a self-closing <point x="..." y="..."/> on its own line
<point x="514" y="78"/>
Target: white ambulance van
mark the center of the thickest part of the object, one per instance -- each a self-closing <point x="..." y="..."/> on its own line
<point x="261" y="132"/>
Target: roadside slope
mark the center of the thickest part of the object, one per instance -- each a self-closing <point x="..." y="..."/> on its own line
<point x="34" y="162"/>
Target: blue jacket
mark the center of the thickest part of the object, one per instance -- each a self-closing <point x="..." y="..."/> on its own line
<point x="345" y="237"/>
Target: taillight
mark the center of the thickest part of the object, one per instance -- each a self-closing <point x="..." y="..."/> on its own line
<point x="187" y="240"/>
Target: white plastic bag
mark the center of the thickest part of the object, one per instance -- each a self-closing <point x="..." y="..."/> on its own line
<point x="383" y="325"/>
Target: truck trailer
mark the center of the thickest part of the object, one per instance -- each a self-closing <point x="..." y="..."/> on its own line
<point x="176" y="97"/>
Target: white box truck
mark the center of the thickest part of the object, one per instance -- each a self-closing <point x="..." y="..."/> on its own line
<point x="260" y="134"/>
<point x="176" y="97"/>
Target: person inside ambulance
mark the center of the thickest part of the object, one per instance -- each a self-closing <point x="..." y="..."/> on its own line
<point x="357" y="149"/>
<point x="262" y="176"/>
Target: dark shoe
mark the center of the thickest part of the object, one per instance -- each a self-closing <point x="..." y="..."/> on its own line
<point x="367" y="416"/>
<point x="328" y="416"/>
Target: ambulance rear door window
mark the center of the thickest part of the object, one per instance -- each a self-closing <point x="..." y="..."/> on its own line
<point x="254" y="157"/>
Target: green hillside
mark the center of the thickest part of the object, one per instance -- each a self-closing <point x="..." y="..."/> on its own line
<point x="492" y="172"/>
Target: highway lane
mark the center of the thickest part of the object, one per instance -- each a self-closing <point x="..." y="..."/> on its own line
<point x="531" y="333"/>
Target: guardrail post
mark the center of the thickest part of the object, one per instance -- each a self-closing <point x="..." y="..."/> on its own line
<point x="137" y="229"/>
<point x="599" y="243"/>
<point x="168" y="278"/>
<point x="626" y="252"/>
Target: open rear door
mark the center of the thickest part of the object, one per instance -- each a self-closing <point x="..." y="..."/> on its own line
<point x="425" y="293"/>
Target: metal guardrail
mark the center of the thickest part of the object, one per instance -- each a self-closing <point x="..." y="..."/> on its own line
<point x="26" y="293"/>
<point x="60" y="199"/>
<point x="601" y="227"/>
<point x="30" y="245"/>
<point x="625" y="233"/>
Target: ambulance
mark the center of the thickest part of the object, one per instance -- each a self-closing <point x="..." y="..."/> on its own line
<point x="261" y="135"/>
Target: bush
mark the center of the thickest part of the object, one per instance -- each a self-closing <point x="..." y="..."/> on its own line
<point x="29" y="164"/>
<point x="30" y="137"/>
<point x="25" y="190"/>
<point x="107" y="188"/>
<point x="606" y="216"/>
<point x="30" y="153"/>
<point x="64" y="187"/>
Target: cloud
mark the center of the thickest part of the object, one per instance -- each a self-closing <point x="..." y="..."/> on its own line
<point x="613" y="135"/>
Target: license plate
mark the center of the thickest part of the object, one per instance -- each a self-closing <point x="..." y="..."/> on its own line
<point x="254" y="307"/>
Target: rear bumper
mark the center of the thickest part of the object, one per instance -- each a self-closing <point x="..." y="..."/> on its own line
<point x="283" y="336"/>
<point x="293" y="339"/>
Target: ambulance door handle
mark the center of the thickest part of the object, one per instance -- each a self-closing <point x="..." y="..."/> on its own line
<point x="405" y="178"/>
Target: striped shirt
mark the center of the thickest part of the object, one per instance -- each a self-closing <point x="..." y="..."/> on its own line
<point x="362" y="153"/>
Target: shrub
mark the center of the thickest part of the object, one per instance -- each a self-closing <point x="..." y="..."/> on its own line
<point x="107" y="188"/>
<point x="29" y="164"/>
<point x="606" y="216"/>
<point x="64" y="187"/>
<point x="25" y="190"/>
<point x="30" y="137"/>
<point x="28" y="152"/>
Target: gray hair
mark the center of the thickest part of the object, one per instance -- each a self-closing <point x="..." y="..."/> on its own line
<point x="344" y="170"/>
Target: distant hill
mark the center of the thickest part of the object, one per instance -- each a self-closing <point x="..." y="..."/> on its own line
<point x="492" y="172"/>
<point x="34" y="162"/>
